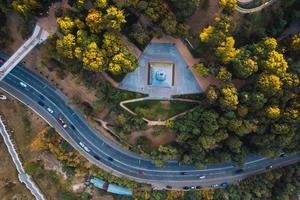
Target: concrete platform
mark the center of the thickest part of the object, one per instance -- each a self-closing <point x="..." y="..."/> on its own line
<point x="184" y="81"/>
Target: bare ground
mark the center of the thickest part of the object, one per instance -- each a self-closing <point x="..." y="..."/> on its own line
<point x="157" y="139"/>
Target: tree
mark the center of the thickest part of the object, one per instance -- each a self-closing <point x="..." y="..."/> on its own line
<point x="66" y="46"/>
<point x="169" y="26"/>
<point x="244" y="65"/>
<point x="184" y="9"/>
<point x="65" y="24"/>
<point x="201" y="70"/>
<point x="273" y="112"/>
<point x="93" y="58"/>
<point x="228" y="6"/>
<point x="212" y="94"/>
<point x="269" y="84"/>
<point x="224" y="75"/>
<point x="114" y="18"/>
<point x="275" y="63"/>
<point x="229" y="98"/>
<point x="122" y="63"/>
<point x="226" y="51"/>
<point x="101" y="3"/>
<point x="25" y="7"/>
<point x="95" y="21"/>
<point x="296" y="43"/>
<point x="112" y="44"/>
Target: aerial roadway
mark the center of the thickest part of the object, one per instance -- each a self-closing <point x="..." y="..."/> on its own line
<point x="38" y="94"/>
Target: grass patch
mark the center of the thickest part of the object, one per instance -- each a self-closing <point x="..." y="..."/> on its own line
<point x="160" y="110"/>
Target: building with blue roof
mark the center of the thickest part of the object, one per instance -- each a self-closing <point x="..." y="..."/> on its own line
<point x="119" y="190"/>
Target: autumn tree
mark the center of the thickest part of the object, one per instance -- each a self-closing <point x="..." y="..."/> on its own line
<point x="95" y="21"/>
<point x="66" y="45"/>
<point x="224" y="75"/>
<point x="269" y="84"/>
<point x="226" y="51"/>
<point x="229" y="98"/>
<point x="201" y="69"/>
<point x="93" y="58"/>
<point x="65" y="24"/>
<point x="228" y="6"/>
<point x="114" y="18"/>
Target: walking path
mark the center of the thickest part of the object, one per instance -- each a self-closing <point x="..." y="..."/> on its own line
<point x="38" y="36"/>
<point x="252" y="10"/>
<point x="23" y="177"/>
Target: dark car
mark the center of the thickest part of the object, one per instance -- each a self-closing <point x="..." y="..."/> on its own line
<point x="41" y="103"/>
<point x="96" y="157"/>
<point x="110" y="159"/>
<point x="283" y="155"/>
<point x="198" y="187"/>
<point x="183" y="173"/>
<point x="186" y="188"/>
<point x="238" y="171"/>
<point x="169" y="187"/>
<point x="72" y="127"/>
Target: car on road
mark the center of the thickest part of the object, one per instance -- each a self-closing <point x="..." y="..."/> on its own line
<point x="84" y="147"/>
<point x="269" y="167"/>
<point x="141" y="171"/>
<point x="110" y="159"/>
<point x="2" y="61"/>
<point x="72" y="127"/>
<point x="23" y="84"/>
<point x="238" y="171"/>
<point x="96" y="157"/>
<point x="202" y="177"/>
<point x="50" y="110"/>
<point x="3" y="97"/>
<point x="282" y="155"/>
<point x="183" y="173"/>
<point x="41" y="103"/>
<point x="198" y="187"/>
<point x="193" y="187"/>
<point x="224" y="185"/>
<point x="186" y="188"/>
<point x="62" y="122"/>
<point x="169" y="187"/>
<point x="214" y="185"/>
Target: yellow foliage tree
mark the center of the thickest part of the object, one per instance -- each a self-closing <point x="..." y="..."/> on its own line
<point x="66" y="24"/>
<point x="115" y="18"/>
<point x="226" y="51"/>
<point x="95" y="21"/>
<point x="38" y="143"/>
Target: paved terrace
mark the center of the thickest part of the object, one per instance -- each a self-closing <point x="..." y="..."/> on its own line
<point x="166" y="52"/>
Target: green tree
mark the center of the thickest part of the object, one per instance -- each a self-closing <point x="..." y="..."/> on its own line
<point x="184" y="9"/>
<point x="224" y="75"/>
<point x="244" y="65"/>
<point x="201" y="70"/>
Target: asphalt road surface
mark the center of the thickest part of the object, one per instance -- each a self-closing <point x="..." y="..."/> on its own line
<point x="39" y="95"/>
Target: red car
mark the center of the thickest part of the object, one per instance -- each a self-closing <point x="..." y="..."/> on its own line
<point x="61" y="122"/>
<point x="141" y="171"/>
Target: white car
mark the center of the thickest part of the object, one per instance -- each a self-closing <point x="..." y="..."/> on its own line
<point x="23" y="84"/>
<point x="202" y="177"/>
<point x="50" y="110"/>
<point x="3" y="97"/>
<point x="84" y="147"/>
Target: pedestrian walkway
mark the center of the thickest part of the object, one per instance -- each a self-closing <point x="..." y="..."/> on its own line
<point x="23" y="177"/>
<point x="38" y="36"/>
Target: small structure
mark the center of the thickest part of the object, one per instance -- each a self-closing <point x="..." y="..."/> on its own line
<point x="161" y="74"/>
<point x="112" y="188"/>
<point x="98" y="183"/>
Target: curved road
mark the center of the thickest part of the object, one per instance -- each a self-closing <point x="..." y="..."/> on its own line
<point x="252" y="10"/>
<point x="38" y="94"/>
